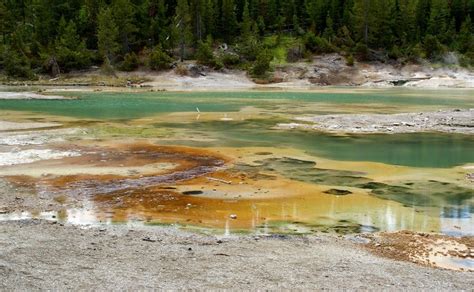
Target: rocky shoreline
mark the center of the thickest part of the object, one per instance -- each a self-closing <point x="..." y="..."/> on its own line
<point x="459" y="121"/>
<point x="320" y="71"/>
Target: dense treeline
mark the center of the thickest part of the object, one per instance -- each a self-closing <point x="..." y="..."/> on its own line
<point x="57" y="35"/>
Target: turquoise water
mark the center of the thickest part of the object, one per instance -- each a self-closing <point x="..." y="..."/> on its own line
<point x="425" y="202"/>
<point x="422" y="150"/>
<point x="131" y="105"/>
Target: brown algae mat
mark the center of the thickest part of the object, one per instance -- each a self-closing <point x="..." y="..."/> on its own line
<point x="433" y="250"/>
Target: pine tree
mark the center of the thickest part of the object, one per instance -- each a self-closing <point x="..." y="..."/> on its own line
<point x="458" y="12"/>
<point x="261" y="25"/>
<point x="383" y="25"/>
<point x="123" y="12"/>
<point x="40" y="15"/>
<point x="466" y="37"/>
<point x="107" y="34"/>
<point x="362" y="20"/>
<point x="399" y="24"/>
<point x="157" y="21"/>
<point x="229" y="24"/>
<point x="407" y="26"/>
<point x="182" y="26"/>
<point x="121" y="29"/>
<point x="273" y="19"/>
<point x="347" y="15"/>
<point x="296" y="25"/>
<point x="317" y="11"/>
<point x="336" y="12"/>
<point x="4" y="21"/>
<point x="423" y="9"/>
<point x="246" y="25"/>
<point x="438" y="21"/>
<point x="209" y="17"/>
<point x="70" y="50"/>
<point x="197" y="7"/>
<point x="288" y="10"/>
<point x="329" y="31"/>
<point x="16" y="59"/>
<point x="87" y="21"/>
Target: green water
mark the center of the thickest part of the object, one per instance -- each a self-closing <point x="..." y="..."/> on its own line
<point x="131" y="105"/>
<point x="422" y="150"/>
<point x="251" y="120"/>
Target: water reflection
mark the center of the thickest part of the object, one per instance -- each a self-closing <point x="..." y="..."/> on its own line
<point x="317" y="213"/>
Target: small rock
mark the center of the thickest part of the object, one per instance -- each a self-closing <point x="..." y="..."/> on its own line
<point x="338" y="192"/>
<point x="233" y="216"/>
<point x="149" y="239"/>
<point x="194" y="192"/>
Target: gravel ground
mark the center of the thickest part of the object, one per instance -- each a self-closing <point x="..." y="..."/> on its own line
<point x="39" y="255"/>
<point x="446" y="121"/>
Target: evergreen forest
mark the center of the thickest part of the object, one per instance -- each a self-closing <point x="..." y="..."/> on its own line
<point x="53" y="36"/>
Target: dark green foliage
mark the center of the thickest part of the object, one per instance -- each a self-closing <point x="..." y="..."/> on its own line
<point x="262" y="63"/>
<point x="204" y="54"/>
<point x="130" y="62"/>
<point x="317" y="44"/>
<point x="432" y="47"/>
<point x="182" y="27"/>
<point x="465" y="39"/>
<point x="80" y="33"/>
<point x="350" y="60"/>
<point x="229" y="60"/>
<point x="249" y="48"/>
<point x="16" y="64"/>
<point x="467" y="60"/>
<point x="395" y="53"/>
<point x="414" y="53"/>
<point x="246" y="26"/>
<point x="361" y="51"/>
<point x="107" y="34"/>
<point x="70" y="51"/>
<point x="229" y="25"/>
<point x="159" y="60"/>
<point x="153" y="21"/>
<point x="123" y="13"/>
<point x="2" y="55"/>
<point x="4" y="21"/>
<point x="107" y="67"/>
<point x="17" y="53"/>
